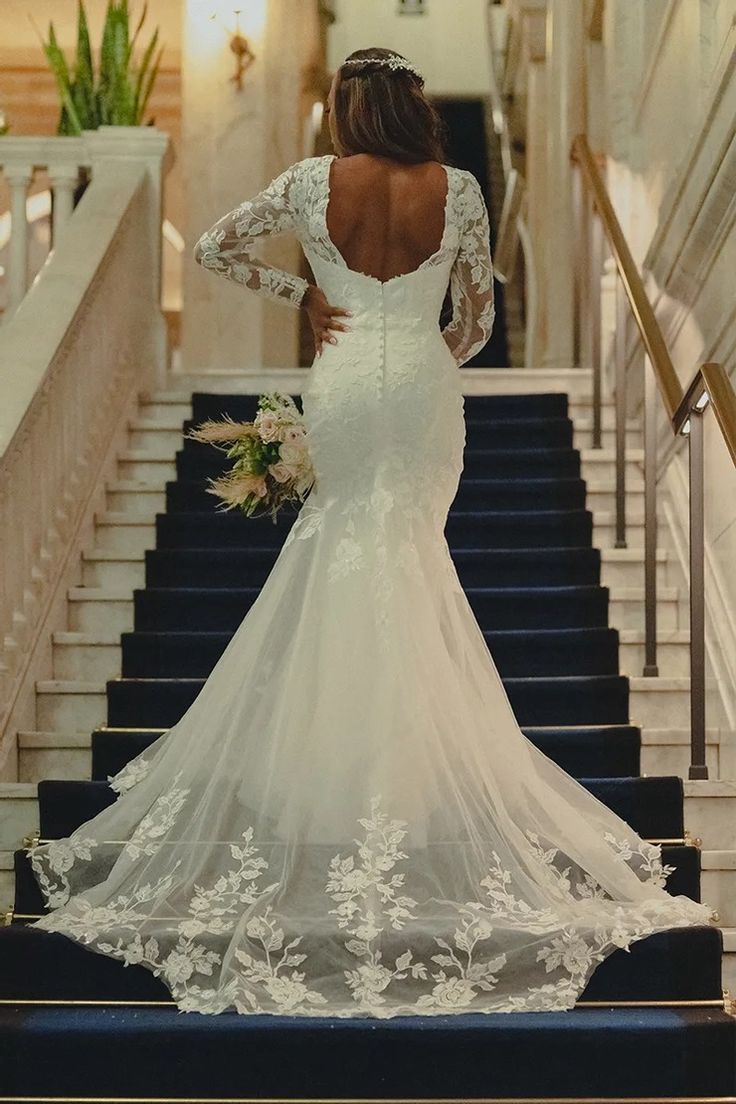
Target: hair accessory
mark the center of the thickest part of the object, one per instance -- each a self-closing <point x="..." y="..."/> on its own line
<point x="392" y="62"/>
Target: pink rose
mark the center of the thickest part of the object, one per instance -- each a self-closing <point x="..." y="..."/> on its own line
<point x="267" y="425"/>
<point x="280" y="472"/>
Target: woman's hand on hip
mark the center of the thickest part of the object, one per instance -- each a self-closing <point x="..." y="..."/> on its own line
<point x="322" y="316"/>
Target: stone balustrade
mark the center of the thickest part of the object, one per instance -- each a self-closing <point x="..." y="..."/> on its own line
<point x="81" y="342"/>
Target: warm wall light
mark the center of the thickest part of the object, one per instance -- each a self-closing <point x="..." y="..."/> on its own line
<point x="240" y="46"/>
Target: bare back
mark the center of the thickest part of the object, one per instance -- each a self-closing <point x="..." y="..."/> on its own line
<point x="384" y="217"/>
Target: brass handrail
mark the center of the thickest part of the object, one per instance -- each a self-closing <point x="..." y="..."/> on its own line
<point x="649" y="329"/>
<point x="710" y="386"/>
<point x="711" y="380"/>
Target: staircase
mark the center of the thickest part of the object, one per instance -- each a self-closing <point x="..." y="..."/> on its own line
<point x="164" y="589"/>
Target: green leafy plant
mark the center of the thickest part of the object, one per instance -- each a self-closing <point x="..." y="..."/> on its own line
<point x="118" y="94"/>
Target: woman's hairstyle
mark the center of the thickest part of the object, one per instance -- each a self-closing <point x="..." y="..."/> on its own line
<point x="381" y="108"/>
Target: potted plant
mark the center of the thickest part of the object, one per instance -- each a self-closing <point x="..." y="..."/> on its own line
<point x="118" y="93"/>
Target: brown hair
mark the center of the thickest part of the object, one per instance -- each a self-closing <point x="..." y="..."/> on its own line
<point x="384" y="111"/>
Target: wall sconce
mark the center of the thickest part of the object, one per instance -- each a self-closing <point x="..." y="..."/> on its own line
<point x="241" y="48"/>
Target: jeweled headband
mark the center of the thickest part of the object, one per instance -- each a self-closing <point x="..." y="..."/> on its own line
<point x="391" y="62"/>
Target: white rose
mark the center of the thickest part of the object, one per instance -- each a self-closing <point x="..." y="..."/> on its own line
<point x="291" y="454"/>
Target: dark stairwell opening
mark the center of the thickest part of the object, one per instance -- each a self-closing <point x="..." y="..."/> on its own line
<point x="467" y="147"/>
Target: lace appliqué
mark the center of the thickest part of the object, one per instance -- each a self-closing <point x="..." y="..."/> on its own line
<point x="370" y="899"/>
<point x="471" y="278"/>
<point x="228" y="247"/>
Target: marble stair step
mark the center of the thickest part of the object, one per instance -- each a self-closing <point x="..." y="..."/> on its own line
<point x="107" y="610"/>
<point x="673" y="652"/>
<point x="54" y="754"/>
<point x="170" y="407"/>
<point x="110" y="610"/>
<point x="77" y="655"/>
<point x="122" y="532"/>
<point x="70" y="704"/>
<point x="710" y="812"/>
<point x="718" y="885"/>
<point x="110" y="570"/>
<point x="667" y="751"/>
<point x="131" y="496"/>
<point x="7" y="881"/>
<point x="729" y="960"/>
<point x="582" y="435"/>
<point x="659" y="701"/>
<point x="625" y="567"/>
<point x="18" y="813"/>
<point x="147" y="466"/>
<point x="620" y="567"/>
<point x="599" y="465"/>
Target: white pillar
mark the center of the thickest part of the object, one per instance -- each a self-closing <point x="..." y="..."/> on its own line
<point x="18" y="177"/>
<point x="223" y="163"/>
<point x="566" y="115"/>
<point x="234" y="142"/>
<point x="536" y="161"/>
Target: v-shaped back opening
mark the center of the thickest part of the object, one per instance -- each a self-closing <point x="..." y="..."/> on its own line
<point x="339" y="259"/>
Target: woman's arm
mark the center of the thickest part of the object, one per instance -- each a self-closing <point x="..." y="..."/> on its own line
<point x="471" y="281"/>
<point x="229" y="246"/>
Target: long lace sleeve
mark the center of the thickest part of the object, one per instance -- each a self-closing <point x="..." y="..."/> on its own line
<point x="471" y="281"/>
<point x="229" y="246"/>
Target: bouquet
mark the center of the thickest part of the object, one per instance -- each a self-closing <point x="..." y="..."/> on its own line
<point x="271" y="458"/>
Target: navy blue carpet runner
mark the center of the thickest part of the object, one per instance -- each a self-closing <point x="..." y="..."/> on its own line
<point x="652" y="1021"/>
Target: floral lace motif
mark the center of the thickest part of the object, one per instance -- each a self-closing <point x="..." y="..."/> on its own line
<point x="228" y="247"/>
<point x="370" y="901"/>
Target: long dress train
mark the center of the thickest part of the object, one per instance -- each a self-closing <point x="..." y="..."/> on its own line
<point x="348" y="820"/>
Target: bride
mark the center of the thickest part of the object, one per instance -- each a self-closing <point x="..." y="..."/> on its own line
<point x="348" y="820"/>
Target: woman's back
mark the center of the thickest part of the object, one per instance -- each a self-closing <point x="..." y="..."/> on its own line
<point x="386" y="217"/>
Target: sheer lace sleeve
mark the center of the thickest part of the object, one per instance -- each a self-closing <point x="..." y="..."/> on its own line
<point x="229" y="246"/>
<point x="471" y="280"/>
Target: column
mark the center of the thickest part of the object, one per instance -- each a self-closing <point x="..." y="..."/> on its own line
<point x="566" y="116"/>
<point x="536" y="162"/>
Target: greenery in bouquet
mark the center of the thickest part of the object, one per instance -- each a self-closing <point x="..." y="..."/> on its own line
<point x="271" y="462"/>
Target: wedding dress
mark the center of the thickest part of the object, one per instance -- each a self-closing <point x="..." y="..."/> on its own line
<point x="348" y="820"/>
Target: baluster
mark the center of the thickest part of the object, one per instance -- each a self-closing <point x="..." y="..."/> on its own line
<point x="63" y="177"/>
<point x="596" y="269"/>
<point x="698" y="768"/>
<point x="620" y="355"/>
<point x="578" y="266"/>
<point x="650" y="520"/>
<point x="18" y="178"/>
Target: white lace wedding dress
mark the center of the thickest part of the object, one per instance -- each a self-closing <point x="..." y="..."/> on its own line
<point x="348" y="820"/>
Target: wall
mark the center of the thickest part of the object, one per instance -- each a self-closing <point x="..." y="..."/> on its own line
<point x="448" y="43"/>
